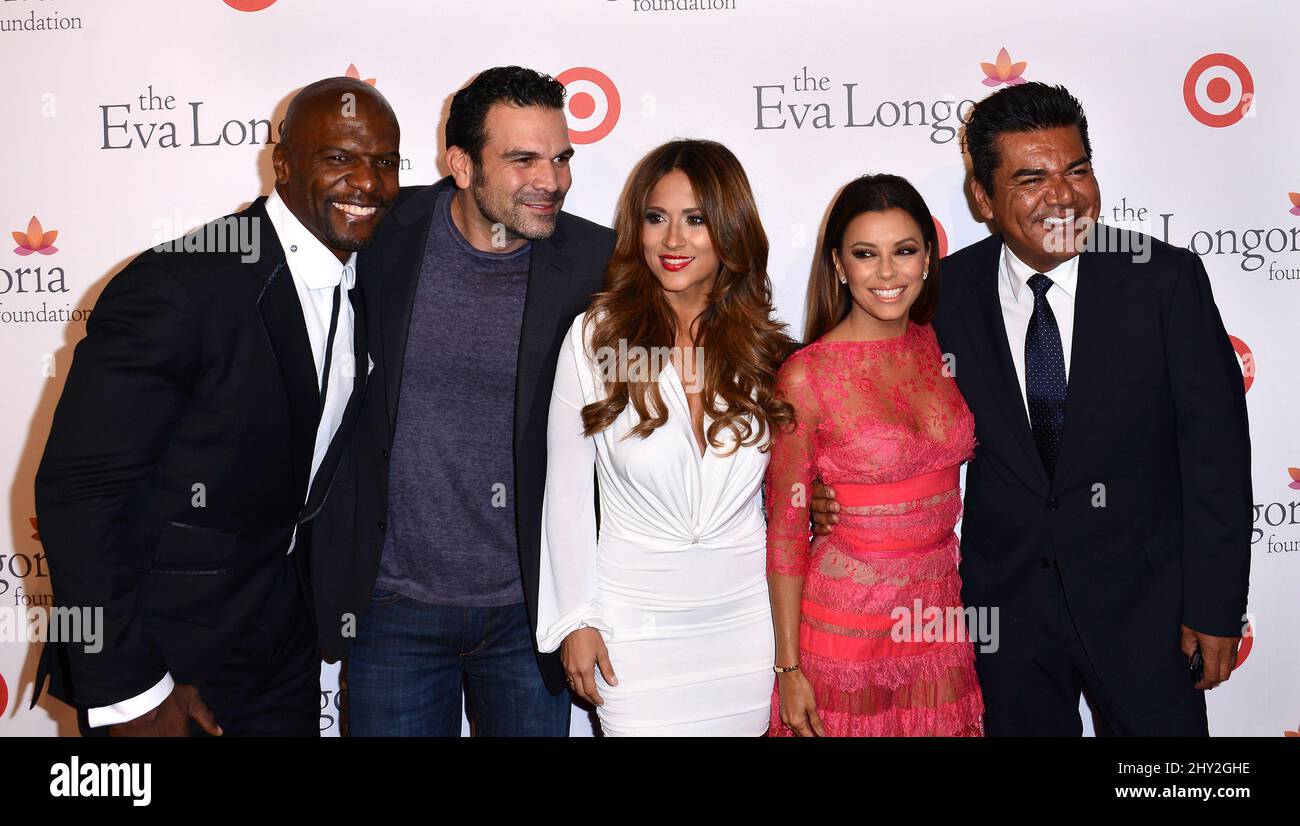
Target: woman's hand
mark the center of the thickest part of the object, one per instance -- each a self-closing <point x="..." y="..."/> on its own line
<point x="799" y="705"/>
<point x="581" y="652"/>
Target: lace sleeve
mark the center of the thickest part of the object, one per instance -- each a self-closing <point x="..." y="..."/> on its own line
<point x="790" y="473"/>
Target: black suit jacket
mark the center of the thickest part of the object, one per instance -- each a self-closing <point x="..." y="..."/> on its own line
<point x="349" y="535"/>
<point x="178" y="461"/>
<point x="1148" y="518"/>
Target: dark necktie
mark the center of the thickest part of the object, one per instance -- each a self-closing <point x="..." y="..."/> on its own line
<point x="329" y="347"/>
<point x="1045" y="375"/>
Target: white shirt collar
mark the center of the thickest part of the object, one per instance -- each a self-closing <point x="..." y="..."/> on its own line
<point x="1017" y="273"/>
<point x="308" y="258"/>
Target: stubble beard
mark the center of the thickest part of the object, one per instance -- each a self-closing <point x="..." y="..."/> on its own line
<point x="507" y="211"/>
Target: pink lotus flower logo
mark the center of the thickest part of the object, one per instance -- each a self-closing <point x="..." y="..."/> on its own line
<point x="1004" y="72"/>
<point x="35" y="239"/>
<point x="1295" y="478"/>
<point x="354" y="73"/>
<point x="1295" y="202"/>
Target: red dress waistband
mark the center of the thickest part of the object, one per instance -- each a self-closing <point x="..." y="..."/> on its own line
<point x="890" y="493"/>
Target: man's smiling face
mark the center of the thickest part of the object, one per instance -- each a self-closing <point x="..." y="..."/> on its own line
<point x="1043" y="187"/>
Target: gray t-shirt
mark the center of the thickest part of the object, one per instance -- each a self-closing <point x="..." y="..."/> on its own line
<point x="451" y="483"/>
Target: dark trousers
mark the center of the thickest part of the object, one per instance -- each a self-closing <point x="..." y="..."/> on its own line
<point x="411" y="659"/>
<point x="269" y="684"/>
<point x="1036" y="693"/>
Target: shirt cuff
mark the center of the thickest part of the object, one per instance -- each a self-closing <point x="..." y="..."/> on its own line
<point x="128" y="710"/>
<point x="587" y="616"/>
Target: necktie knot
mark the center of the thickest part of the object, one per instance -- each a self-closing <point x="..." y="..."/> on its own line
<point x="1040" y="284"/>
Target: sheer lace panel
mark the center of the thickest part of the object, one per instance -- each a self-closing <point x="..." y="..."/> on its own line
<point x="866" y="413"/>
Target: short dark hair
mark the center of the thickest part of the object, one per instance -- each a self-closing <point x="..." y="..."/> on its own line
<point x="514" y="85"/>
<point x="1026" y="107"/>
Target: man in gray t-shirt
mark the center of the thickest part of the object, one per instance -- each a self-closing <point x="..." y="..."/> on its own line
<point x="451" y="510"/>
<point x="430" y="539"/>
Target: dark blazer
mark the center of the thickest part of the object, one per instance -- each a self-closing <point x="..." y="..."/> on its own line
<point x="177" y="464"/>
<point x="349" y="535"/>
<point x="1155" y="423"/>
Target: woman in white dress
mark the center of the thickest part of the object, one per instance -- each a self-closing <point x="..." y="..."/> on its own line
<point x="665" y="387"/>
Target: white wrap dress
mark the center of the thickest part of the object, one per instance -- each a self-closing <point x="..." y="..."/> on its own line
<point x="676" y="580"/>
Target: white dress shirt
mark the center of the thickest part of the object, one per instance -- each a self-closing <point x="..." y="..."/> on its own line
<point x="1018" y="307"/>
<point x="316" y="272"/>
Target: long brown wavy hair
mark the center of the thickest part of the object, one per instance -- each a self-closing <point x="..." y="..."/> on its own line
<point x="829" y="301"/>
<point x="744" y="347"/>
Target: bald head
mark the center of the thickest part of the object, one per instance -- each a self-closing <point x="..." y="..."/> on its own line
<point x="336" y="163"/>
<point x="335" y="97"/>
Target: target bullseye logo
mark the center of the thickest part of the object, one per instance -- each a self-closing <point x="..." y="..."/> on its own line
<point x="1246" y="359"/>
<point x="942" y="237"/>
<point x="249" y="5"/>
<point x="1247" y="642"/>
<point x="592" y="103"/>
<point x="1218" y="90"/>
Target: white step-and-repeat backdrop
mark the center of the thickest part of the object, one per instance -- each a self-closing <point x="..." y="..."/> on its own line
<point x="128" y="122"/>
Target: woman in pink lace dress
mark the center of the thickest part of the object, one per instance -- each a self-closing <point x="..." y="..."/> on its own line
<point x="880" y="420"/>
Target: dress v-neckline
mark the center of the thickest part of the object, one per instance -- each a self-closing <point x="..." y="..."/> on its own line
<point x="701" y="453"/>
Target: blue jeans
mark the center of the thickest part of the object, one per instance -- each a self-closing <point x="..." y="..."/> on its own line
<point x="411" y="659"/>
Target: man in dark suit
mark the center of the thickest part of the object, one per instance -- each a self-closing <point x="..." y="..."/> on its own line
<point x="1108" y="507"/>
<point x="202" y="419"/>
<point x="429" y="542"/>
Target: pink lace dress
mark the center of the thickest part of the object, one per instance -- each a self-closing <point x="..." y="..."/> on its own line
<point x="882" y="637"/>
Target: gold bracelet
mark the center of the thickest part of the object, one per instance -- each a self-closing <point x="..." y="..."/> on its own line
<point x="785" y="669"/>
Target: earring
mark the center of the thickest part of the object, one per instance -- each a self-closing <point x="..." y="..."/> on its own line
<point x="843" y="280"/>
<point x="925" y="274"/>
